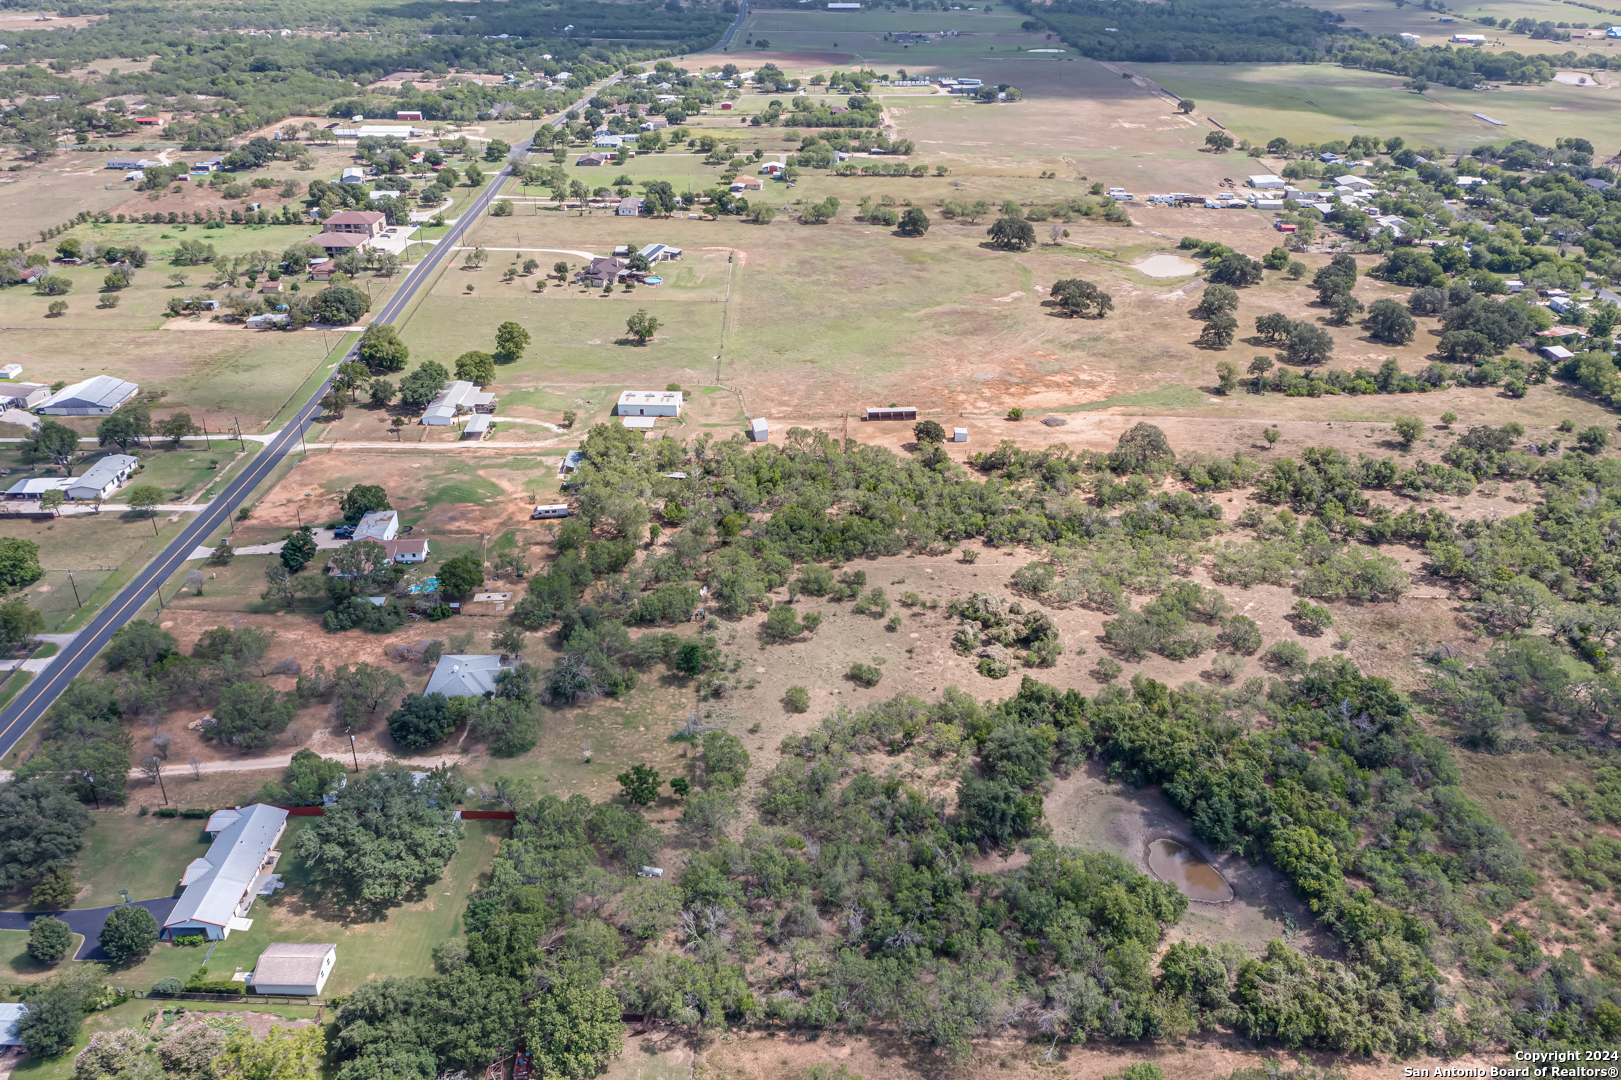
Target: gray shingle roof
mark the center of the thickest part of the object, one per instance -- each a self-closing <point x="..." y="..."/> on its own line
<point x="234" y="860"/>
<point x="464" y="675"/>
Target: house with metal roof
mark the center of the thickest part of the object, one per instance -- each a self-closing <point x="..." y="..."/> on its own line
<point x="98" y="396"/>
<point x="220" y="886"/>
<point x="293" y="968"/>
<point x="456" y="398"/>
<point x="464" y="675"/>
<point x="103" y="478"/>
<point x="379" y="525"/>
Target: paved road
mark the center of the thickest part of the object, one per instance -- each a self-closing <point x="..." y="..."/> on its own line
<point x="86" y="921"/>
<point x="31" y="704"/>
<point x="742" y="13"/>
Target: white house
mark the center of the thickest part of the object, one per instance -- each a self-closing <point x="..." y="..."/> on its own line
<point x="464" y="675"/>
<point x="457" y="397"/>
<point x="101" y="479"/>
<point x="1355" y="183"/>
<point x="221" y="885"/>
<point x="92" y="397"/>
<point x="649" y="403"/>
<point x="381" y="525"/>
<point x="352" y="176"/>
<point x="629" y="206"/>
<point x="291" y="968"/>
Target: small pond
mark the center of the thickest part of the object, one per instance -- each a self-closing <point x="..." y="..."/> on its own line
<point x="1175" y="862"/>
<point x="1167" y="266"/>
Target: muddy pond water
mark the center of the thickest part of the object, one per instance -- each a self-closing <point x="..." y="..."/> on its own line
<point x="1175" y="862"/>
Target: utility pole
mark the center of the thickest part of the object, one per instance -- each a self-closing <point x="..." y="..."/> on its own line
<point x="354" y="755"/>
<point x="76" y="600"/>
<point x="158" y="769"/>
<point x="239" y="439"/>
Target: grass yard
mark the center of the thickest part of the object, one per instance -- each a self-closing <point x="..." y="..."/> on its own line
<point x="213" y="372"/>
<point x="126" y="851"/>
<point x="99" y="550"/>
<point x="16" y="966"/>
<point x="1318" y="102"/>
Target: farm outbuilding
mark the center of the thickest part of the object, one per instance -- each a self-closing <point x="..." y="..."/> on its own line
<point x="959" y="434"/>
<point x="649" y="403"/>
<point x="294" y="968"/>
<point x="759" y="430"/>
<point x="892" y="412"/>
<point x="92" y="397"/>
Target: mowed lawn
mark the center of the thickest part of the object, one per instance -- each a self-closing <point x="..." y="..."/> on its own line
<point x="1319" y="102"/>
<point x="397" y="941"/>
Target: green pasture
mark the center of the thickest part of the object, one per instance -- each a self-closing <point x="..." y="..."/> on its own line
<point x="214" y="374"/>
<point x="574" y="339"/>
<point x="1384" y="17"/>
<point x="101" y="550"/>
<point x="847" y="38"/>
<point x="1320" y="102"/>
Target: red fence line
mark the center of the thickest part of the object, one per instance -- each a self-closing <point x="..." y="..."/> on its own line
<point x="467" y="815"/>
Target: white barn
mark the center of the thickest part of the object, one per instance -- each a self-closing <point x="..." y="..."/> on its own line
<point x="649" y="403"/>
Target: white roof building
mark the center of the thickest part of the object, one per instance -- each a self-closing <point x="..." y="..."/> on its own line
<point x="649" y="403"/>
<point x="464" y="675"/>
<point x="378" y="525"/>
<point x="294" y="968"/>
<point x="221" y="885"/>
<point x="1267" y="180"/>
<point x="457" y="397"/>
<point x="92" y="397"/>
<point x="101" y="479"/>
<point x="656" y="253"/>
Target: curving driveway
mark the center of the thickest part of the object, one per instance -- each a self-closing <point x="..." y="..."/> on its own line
<point x="86" y="921"/>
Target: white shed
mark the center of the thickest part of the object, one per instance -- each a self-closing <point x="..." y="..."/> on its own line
<point x="959" y="434"/>
<point x="1267" y="180"/>
<point x="759" y="430"/>
<point x="292" y="968"/>
<point x="1557" y="352"/>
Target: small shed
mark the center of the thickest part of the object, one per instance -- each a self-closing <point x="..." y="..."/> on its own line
<point x="892" y="412"/>
<point x="294" y="968"/>
<point x="959" y="434"/>
<point x="479" y="425"/>
<point x="759" y="430"/>
<point x="1557" y="352"/>
<point x="10" y="371"/>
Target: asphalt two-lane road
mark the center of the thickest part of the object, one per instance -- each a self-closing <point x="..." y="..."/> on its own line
<point x="35" y="698"/>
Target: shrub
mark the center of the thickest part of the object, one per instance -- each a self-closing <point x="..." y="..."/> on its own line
<point x="866" y="674"/>
<point x="129" y="933"/>
<point x="992" y="668"/>
<point x="797" y="699"/>
<point x="1311" y="618"/>
<point x="1287" y="656"/>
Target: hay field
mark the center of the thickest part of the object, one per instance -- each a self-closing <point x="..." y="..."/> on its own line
<point x="1319" y="102"/>
<point x="1382" y="17"/>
